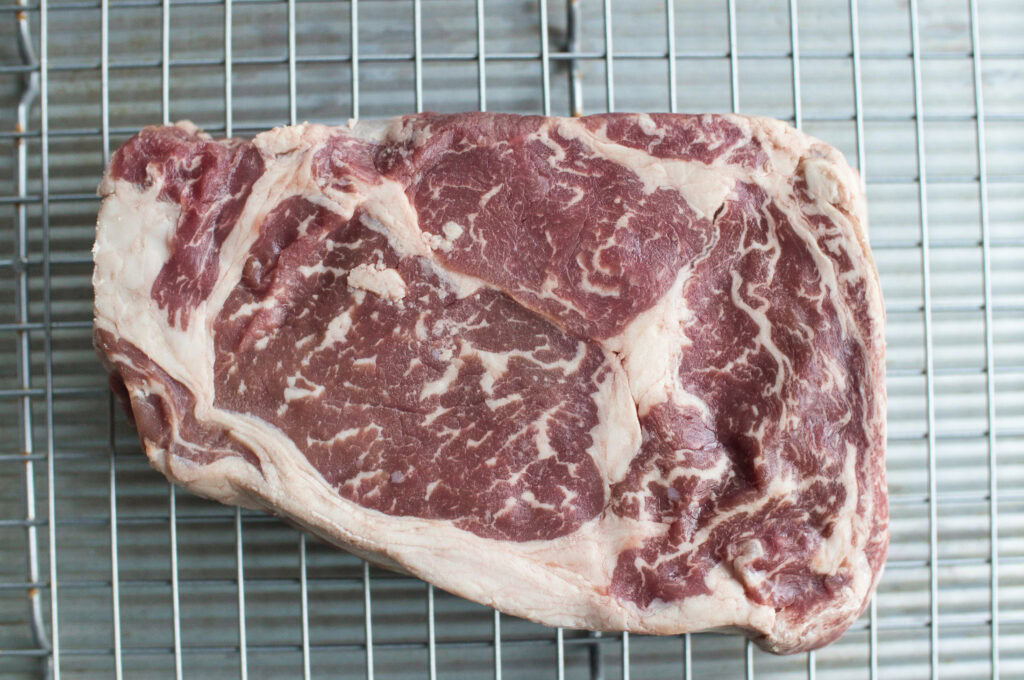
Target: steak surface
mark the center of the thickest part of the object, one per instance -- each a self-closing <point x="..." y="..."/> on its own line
<point x="619" y="372"/>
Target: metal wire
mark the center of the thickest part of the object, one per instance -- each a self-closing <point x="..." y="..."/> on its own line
<point x="687" y="657"/>
<point x="858" y="102"/>
<point x="115" y="589"/>
<point x="304" y="594"/>
<point x="922" y="197"/>
<point x="115" y="583"/>
<point x="30" y="91"/>
<point x="734" y="65"/>
<point x="670" y="30"/>
<point x="417" y="41"/>
<point x="572" y="45"/>
<point x="44" y="151"/>
<point x="560" y="659"/>
<point x="837" y="118"/>
<point x="625" y="656"/>
<point x="292" y="80"/>
<point x="431" y="635"/>
<point x="243" y="652"/>
<point x="368" y="620"/>
<point x="175" y="586"/>
<point x="873" y="638"/>
<point x="228" y="68"/>
<point x="609" y="60"/>
<point x="990" y="385"/>
<point x="497" y="645"/>
<point x="172" y="502"/>
<point x="86" y="65"/>
<point x="354" y="55"/>
<point x="545" y="57"/>
<point x="794" y="46"/>
<point x="481" y="56"/>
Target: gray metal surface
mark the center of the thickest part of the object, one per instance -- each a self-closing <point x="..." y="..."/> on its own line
<point x="927" y="98"/>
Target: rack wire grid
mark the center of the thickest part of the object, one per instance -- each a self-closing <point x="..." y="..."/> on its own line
<point x="106" y="570"/>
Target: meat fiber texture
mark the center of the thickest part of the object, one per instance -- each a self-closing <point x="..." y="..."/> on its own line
<point x="619" y="372"/>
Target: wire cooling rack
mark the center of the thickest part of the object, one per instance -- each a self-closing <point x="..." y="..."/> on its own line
<point x="106" y="571"/>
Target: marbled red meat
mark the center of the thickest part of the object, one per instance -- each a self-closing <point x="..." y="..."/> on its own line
<point x="616" y="372"/>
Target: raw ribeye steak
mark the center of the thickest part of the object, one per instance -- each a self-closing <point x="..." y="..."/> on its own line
<point x="613" y="372"/>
